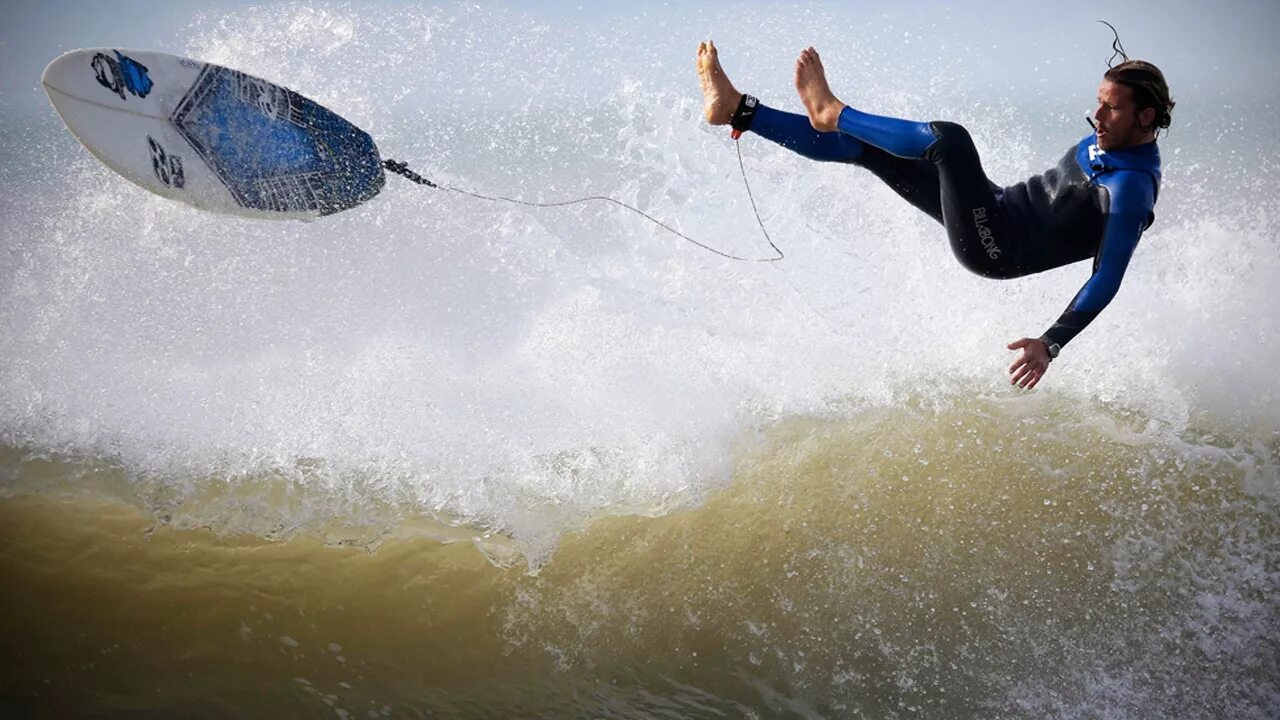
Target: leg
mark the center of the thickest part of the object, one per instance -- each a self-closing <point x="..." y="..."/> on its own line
<point x="968" y="204"/>
<point x="916" y="181"/>
<point x="794" y="133"/>
<point x="963" y="199"/>
<point x="933" y="166"/>
<point x="903" y="138"/>
<point x="981" y="235"/>
<point x="893" y="151"/>
<point x="900" y="138"/>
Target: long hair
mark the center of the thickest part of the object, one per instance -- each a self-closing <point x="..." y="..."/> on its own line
<point x="1149" y="89"/>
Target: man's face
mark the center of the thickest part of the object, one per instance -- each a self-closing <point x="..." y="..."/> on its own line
<point x="1118" y="120"/>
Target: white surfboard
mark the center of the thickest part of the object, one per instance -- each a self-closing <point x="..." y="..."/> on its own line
<point x="212" y="137"/>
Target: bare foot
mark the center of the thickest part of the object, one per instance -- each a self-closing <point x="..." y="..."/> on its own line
<point x="721" y="96"/>
<point x="811" y="82"/>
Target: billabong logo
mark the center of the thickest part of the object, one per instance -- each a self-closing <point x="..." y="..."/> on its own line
<point x="984" y="233"/>
<point x="121" y="73"/>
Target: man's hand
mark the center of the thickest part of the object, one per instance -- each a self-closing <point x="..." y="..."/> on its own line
<point x="1031" y="364"/>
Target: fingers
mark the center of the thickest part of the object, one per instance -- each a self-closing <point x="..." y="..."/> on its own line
<point x="1023" y="372"/>
<point x="1019" y="343"/>
<point x="1027" y="377"/>
<point x="1031" y="379"/>
<point x="1026" y="373"/>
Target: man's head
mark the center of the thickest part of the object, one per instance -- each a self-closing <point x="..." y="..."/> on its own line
<point x="1133" y="104"/>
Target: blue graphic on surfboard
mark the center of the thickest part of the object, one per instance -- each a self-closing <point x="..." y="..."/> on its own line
<point x="120" y="74"/>
<point x="213" y="137"/>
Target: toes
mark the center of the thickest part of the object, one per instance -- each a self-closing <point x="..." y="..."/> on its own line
<point x="707" y="54"/>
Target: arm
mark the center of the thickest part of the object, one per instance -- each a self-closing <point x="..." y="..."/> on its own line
<point x="1132" y="196"/>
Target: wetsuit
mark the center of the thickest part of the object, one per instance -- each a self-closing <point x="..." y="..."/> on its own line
<point x="1092" y="204"/>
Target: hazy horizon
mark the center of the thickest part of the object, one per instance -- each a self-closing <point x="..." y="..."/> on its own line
<point x="1226" y="55"/>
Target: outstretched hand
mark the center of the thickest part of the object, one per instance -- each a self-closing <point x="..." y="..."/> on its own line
<point x="1031" y="365"/>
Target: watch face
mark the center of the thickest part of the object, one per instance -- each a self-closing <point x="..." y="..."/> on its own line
<point x="1054" y="349"/>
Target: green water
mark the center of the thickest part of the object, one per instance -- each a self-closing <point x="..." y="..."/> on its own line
<point x="1008" y="558"/>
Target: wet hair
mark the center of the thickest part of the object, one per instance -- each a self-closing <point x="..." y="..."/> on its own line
<point x="1149" y="89"/>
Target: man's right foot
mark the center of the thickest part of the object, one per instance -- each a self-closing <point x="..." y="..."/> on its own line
<point x="811" y="82"/>
<point x="720" y="96"/>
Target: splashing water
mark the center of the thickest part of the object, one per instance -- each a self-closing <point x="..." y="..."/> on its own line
<point x="820" y="462"/>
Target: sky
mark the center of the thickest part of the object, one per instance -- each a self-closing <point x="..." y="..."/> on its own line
<point x="1216" y="53"/>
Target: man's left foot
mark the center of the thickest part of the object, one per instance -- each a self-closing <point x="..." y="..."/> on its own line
<point x="811" y="82"/>
<point x="720" y="96"/>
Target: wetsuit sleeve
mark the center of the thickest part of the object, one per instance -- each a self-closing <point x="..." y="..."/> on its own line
<point x="1132" y="195"/>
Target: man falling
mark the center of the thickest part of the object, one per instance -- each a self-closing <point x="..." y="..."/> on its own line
<point x="1095" y="203"/>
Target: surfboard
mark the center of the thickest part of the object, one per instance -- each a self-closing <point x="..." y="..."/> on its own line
<point x="212" y="137"/>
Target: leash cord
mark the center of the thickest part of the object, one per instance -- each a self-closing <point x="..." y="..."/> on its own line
<point x="402" y="169"/>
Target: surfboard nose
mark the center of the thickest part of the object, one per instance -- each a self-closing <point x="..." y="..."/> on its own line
<point x="60" y="76"/>
<point x="59" y="68"/>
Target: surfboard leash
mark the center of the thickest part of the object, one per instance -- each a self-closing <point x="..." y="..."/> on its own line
<point x="402" y="169"/>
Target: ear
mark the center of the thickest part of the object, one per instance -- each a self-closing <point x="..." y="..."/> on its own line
<point x="1146" y="118"/>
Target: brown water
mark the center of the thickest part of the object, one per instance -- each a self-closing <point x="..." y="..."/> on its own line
<point x="906" y="563"/>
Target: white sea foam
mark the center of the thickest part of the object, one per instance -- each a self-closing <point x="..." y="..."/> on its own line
<point x="526" y="369"/>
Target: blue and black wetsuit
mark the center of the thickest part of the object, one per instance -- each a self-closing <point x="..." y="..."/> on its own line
<point x="1093" y="204"/>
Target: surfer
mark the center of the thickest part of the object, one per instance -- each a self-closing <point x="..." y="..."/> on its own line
<point x="1095" y="203"/>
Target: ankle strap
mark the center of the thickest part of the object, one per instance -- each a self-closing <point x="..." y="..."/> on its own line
<point x="744" y="115"/>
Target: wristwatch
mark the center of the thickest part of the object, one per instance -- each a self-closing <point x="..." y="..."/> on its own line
<point x="1053" y="348"/>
